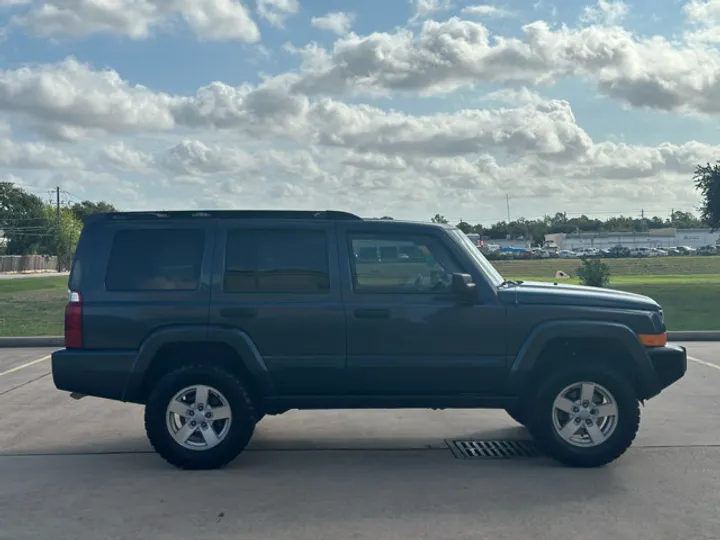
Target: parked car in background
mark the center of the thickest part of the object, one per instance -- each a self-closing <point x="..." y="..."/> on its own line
<point x="619" y="252"/>
<point x="707" y="250"/>
<point x="567" y="254"/>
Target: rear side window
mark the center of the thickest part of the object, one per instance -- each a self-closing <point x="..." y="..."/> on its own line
<point x="155" y="260"/>
<point x="276" y="261"/>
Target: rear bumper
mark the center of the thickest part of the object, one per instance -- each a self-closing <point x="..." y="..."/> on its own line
<point x="102" y="374"/>
<point x="669" y="363"/>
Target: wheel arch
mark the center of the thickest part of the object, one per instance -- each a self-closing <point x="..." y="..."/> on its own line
<point x="557" y="343"/>
<point x="174" y="346"/>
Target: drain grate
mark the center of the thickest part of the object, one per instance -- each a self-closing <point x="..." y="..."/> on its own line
<point x="494" y="449"/>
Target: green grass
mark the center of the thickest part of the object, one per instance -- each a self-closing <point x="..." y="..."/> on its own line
<point x="688" y="288"/>
<point x="655" y="266"/>
<point x="32" y="306"/>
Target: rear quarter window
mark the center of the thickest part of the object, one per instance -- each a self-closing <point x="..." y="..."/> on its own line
<point x="155" y="260"/>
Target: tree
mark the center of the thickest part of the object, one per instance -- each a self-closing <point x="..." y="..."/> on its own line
<point x="707" y="181"/>
<point x="22" y="219"/>
<point x="84" y="209"/>
<point x="437" y="218"/>
<point x="62" y="236"/>
<point x="465" y="227"/>
<point x="594" y="273"/>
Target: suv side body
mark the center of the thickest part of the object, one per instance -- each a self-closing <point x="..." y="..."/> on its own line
<point x="305" y="310"/>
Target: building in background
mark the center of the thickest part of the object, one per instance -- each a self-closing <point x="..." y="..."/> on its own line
<point x="658" y="238"/>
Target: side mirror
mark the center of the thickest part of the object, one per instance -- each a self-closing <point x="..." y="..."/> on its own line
<point x="463" y="285"/>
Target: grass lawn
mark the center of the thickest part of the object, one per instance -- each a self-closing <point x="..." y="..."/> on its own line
<point x="32" y="306"/>
<point x="688" y="288"/>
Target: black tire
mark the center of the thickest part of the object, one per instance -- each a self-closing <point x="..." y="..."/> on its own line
<point x="540" y="416"/>
<point x="517" y="414"/>
<point x="238" y="436"/>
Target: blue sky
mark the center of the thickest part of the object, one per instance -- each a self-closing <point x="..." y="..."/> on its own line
<point x="407" y="82"/>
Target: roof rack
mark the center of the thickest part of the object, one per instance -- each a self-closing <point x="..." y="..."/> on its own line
<point x="329" y="215"/>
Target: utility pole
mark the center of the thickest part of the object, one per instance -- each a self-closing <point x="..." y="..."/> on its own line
<point x="507" y="228"/>
<point x="57" y="224"/>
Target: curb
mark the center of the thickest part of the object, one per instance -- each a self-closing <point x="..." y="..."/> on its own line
<point x="59" y="341"/>
<point x="32" y="341"/>
<point x="694" y="335"/>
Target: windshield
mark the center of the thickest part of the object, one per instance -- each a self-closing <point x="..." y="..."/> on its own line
<point x="488" y="269"/>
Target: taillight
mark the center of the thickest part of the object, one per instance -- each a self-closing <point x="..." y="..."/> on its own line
<point x="73" y="321"/>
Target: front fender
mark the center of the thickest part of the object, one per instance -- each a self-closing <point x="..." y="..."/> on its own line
<point x="526" y="359"/>
<point x="239" y="341"/>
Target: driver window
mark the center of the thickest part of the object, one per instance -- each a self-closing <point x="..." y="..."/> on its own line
<point x="401" y="264"/>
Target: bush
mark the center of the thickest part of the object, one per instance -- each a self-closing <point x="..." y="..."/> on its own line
<point x="594" y="273"/>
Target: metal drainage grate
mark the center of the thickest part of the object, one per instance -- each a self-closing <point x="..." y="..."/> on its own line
<point x="494" y="449"/>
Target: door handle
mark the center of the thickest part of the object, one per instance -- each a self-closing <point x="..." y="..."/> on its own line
<point x="238" y="313"/>
<point x="372" y="313"/>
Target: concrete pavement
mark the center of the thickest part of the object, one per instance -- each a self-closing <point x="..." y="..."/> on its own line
<point x="84" y="470"/>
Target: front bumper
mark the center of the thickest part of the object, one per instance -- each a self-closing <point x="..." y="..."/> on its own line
<point x="669" y="363"/>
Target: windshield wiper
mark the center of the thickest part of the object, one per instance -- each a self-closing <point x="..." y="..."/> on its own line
<point x="509" y="282"/>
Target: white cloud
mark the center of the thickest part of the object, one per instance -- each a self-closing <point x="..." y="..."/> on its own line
<point x="31" y="155"/>
<point x="68" y="100"/>
<point x="605" y="12"/>
<point x="209" y="19"/>
<point x="121" y="156"/>
<point x="277" y="11"/>
<point x="444" y="56"/>
<point x="704" y="20"/>
<point x="422" y="9"/>
<point x="486" y="10"/>
<point x="338" y="22"/>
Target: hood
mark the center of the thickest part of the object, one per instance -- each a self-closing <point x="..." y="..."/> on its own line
<point x="536" y="292"/>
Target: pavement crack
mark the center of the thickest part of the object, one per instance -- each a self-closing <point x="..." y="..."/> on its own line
<point x="24" y="384"/>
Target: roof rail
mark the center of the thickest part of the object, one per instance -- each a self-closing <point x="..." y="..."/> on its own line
<point x="330" y="215"/>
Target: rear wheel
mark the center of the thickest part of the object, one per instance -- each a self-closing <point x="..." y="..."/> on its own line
<point x="585" y="416"/>
<point x="199" y="417"/>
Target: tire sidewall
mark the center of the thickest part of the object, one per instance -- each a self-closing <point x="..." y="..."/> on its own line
<point x="241" y="427"/>
<point x="541" y="412"/>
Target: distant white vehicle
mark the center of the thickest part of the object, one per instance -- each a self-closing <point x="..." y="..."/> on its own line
<point x="642" y="252"/>
<point x="659" y="252"/>
<point x="567" y="254"/>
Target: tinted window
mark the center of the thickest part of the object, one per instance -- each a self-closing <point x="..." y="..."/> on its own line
<point x="402" y="264"/>
<point x="277" y="261"/>
<point x="155" y="260"/>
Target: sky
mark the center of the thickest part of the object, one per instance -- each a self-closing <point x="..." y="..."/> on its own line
<point x="404" y="108"/>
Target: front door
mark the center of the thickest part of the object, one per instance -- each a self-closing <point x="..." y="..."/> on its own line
<point x="408" y="333"/>
<point x="278" y="283"/>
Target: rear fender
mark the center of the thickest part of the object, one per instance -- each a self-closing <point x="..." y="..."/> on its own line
<point x="239" y="341"/>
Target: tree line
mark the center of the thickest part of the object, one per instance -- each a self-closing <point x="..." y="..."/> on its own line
<point x="535" y="230"/>
<point x="32" y="226"/>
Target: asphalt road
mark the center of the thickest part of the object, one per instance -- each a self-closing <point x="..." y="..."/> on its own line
<point x="84" y="470"/>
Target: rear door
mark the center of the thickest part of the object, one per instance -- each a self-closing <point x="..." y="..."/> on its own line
<point x="279" y="283"/>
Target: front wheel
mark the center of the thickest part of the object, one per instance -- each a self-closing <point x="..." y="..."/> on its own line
<point x="199" y="417"/>
<point x="585" y="416"/>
